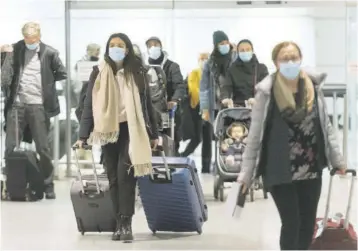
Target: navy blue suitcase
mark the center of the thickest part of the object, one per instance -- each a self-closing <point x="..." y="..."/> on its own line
<point x="172" y="198"/>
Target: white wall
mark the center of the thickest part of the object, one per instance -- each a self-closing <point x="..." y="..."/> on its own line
<point x="264" y="27"/>
<point x="330" y="27"/>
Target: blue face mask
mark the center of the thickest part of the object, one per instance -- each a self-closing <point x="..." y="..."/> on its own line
<point x="245" y="56"/>
<point x="224" y="49"/>
<point x="290" y="70"/>
<point x="32" y="46"/>
<point x="117" y="53"/>
<point x="155" y="52"/>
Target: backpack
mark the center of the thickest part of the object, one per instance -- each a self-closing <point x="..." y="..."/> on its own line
<point x="157" y="84"/>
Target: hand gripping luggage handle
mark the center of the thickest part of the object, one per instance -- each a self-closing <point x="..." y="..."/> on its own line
<point x="17" y="138"/>
<point x="166" y="166"/>
<point x="350" y="196"/>
<point x="87" y="148"/>
<point x="172" y="121"/>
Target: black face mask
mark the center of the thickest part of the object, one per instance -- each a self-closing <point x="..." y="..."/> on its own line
<point x="93" y="58"/>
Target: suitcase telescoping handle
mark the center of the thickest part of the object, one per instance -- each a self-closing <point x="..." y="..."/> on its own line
<point x="166" y="166"/>
<point x="350" y="196"/>
<point x="17" y="138"/>
<point x="172" y="121"/>
<point x="87" y="148"/>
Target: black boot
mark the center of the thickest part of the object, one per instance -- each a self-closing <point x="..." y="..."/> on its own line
<point x="117" y="233"/>
<point x="206" y="165"/>
<point x="126" y="234"/>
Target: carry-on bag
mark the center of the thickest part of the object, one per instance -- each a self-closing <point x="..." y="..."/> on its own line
<point x="24" y="179"/>
<point x="172" y="196"/>
<point x="335" y="234"/>
<point x="168" y="141"/>
<point x="91" y="200"/>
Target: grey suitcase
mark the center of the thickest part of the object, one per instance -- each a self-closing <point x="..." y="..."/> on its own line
<point x="91" y="201"/>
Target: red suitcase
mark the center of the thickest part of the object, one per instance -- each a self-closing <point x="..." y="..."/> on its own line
<point x="332" y="234"/>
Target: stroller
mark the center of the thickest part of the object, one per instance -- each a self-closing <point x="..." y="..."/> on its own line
<point x="222" y="172"/>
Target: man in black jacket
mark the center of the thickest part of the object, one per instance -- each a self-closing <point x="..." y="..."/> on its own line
<point x="176" y="88"/>
<point x="33" y="100"/>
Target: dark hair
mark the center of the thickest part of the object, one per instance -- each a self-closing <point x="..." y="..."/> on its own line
<point x="132" y="65"/>
<point x="282" y="45"/>
<point x="245" y="41"/>
<point x="216" y="53"/>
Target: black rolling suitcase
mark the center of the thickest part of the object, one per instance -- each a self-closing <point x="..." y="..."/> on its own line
<point x="24" y="179"/>
<point x="91" y="201"/>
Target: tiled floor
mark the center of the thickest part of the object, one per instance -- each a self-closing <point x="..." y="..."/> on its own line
<point x="50" y="225"/>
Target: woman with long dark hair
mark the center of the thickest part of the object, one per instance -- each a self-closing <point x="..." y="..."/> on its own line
<point x="118" y="115"/>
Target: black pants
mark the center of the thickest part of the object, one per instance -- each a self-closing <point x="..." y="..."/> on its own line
<point x="297" y="205"/>
<point x="203" y="132"/>
<point x="35" y="117"/>
<point x="196" y="135"/>
<point x="121" y="178"/>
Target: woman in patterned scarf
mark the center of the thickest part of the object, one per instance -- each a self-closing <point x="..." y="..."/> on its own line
<point x="290" y="142"/>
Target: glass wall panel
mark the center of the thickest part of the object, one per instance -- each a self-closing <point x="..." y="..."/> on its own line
<point x="187" y="32"/>
<point x="352" y="83"/>
<point x="13" y="17"/>
<point x="95" y="26"/>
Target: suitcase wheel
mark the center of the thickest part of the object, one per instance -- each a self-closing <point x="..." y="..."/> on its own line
<point x="251" y="194"/>
<point x="153" y="231"/>
<point x="265" y="194"/>
<point x="82" y="233"/>
<point x="221" y="193"/>
<point x="200" y="231"/>
<point x="216" y="187"/>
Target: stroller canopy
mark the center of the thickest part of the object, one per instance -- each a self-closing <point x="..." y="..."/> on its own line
<point x="237" y="114"/>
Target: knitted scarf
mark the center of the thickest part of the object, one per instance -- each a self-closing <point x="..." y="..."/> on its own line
<point x="291" y="108"/>
<point x="105" y="96"/>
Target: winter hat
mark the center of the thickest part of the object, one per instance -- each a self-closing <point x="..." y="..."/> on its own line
<point x="219" y="36"/>
<point x="153" y="39"/>
<point x="245" y="41"/>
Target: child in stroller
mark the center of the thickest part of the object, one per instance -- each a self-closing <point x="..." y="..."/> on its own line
<point x="233" y="147"/>
<point x="231" y="128"/>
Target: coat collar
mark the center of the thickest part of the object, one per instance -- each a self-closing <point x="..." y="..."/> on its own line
<point x="317" y="78"/>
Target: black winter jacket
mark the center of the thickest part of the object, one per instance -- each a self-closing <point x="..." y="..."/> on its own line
<point x="52" y="70"/>
<point x="176" y="88"/>
<point x="86" y="123"/>
<point x="241" y="79"/>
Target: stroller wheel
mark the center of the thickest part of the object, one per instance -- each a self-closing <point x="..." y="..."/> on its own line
<point x="251" y="194"/>
<point x="221" y="193"/>
<point x="216" y="187"/>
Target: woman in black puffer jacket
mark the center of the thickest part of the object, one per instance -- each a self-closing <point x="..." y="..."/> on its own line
<point x="242" y="76"/>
